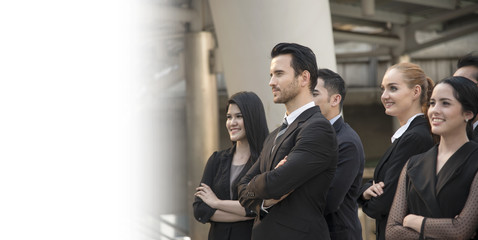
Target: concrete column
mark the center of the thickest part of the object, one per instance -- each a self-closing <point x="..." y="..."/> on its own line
<point x="247" y="30"/>
<point x="202" y="117"/>
<point x="368" y="7"/>
<point x="372" y="71"/>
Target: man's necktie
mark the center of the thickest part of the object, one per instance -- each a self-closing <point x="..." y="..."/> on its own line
<point x="282" y="130"/>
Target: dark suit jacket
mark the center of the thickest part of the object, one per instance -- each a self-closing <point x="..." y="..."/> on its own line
<point x="416" y="139"/>
<point x="475" y="135"/>
<point x="341" y="209"/>
<point x="441" y="195"/>
<point x="217" y="175"/>
<point x="311" y="149"/>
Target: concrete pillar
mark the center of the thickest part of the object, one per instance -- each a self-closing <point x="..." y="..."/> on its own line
<point x="202" y="116"/>
<point x="368" y="7"/>
<point x="247" y="30"/>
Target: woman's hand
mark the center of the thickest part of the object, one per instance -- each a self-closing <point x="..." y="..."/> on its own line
<point x="205" y="193"/>
<point x="374" y="191"/>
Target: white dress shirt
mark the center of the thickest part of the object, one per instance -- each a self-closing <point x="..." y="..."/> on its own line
<point x="404" y="128"/>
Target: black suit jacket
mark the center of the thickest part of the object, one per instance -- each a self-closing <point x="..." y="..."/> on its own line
<point x="311" y="149"/>
<point x="475" y="135"/>
<point x="341" y="209"/>
<point x="416" y="139"/>
<point x="217" y="175"/>
<point x="441" y="195"/>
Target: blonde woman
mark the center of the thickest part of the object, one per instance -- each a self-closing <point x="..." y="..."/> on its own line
<point x="406" y="90"/>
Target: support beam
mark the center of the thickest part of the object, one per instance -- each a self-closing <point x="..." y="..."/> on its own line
<point x="391" y="41"/>
<point x="445" y="4"/>
<point x="443" y="17"/>
<point x="446" y="36"/>
<point x="345" y="10"/>
<point x="157" y="12"/>
<point x="357" y="22"/>
<point x="368" y="7"/>
<point x="412" y="45"/>
<point x="381" y="52"/>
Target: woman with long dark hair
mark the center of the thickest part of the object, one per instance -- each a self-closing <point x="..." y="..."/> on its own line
<point x="216" y="199"/>
<point x="437" y="194"/>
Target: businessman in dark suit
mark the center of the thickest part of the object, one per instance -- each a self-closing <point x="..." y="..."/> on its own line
<point x="467" y="66"/>
<point x="289" y="199"/>
<point x="341" y="208"/>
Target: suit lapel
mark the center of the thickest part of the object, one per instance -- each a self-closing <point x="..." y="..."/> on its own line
<point x="266" y="151"/>
<point x="338" y="124"/>
<point x="417" y="121"/>
<point x="384" y="159"/>
<point x="422" y="177"/>
<point x="453" y="165"/>
<point x="292" y="127"/>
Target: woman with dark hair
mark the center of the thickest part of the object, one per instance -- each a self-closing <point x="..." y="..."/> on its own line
<point x="406" y="90"/>
<point x="437" y="194"/>
<point x="216" y="199"/>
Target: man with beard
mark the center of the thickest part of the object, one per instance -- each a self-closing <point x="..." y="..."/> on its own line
<point x="287" y="185"/>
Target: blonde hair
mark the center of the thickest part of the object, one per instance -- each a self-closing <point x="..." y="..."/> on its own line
<point x="414" y="75"/>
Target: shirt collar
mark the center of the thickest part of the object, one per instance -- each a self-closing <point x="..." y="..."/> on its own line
<point x="404" y="128"/>
<point x="293" y="115"/>
<point x="475" y="124"/>
<point x="332" y="121"/>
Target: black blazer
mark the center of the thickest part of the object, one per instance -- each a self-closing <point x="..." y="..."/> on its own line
<point x="441" y="195"/>
<point x="341" y="209"/>
<point x="216" y="175"/>
<point x="423" y="192"/>
<point x="475" y="135"/>
<point x="311" y="149"/>
<point x="416" y="139"/>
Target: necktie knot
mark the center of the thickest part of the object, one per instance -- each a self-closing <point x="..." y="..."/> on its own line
<point x="284" y="125"/>
<point x="282" y="130"/>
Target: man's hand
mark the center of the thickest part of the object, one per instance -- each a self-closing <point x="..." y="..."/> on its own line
<point x="271" y="202"/>
<point x="282" y="162"/>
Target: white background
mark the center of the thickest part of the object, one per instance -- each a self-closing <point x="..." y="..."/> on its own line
<point x="66" y="170"/>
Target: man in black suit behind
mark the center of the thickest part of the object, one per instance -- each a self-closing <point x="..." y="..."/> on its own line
<point x="467" y="66"/>
<point x="289" y="198"/>
<point x="341" y="208"/>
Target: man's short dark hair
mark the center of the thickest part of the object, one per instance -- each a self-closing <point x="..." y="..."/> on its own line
<point x="303" y="58"/>
<point x="470" y="59"/>
<point x="333" y="82"/>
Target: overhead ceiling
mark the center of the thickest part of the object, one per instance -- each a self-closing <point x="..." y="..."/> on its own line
<point x="396" y="27"/>
<point x="362" y="28"/>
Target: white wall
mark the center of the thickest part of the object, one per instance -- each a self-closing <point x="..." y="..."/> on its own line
<point x="247" y="30"/>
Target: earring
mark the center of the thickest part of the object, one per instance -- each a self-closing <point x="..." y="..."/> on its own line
<point x="466" y="120"/>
